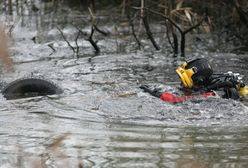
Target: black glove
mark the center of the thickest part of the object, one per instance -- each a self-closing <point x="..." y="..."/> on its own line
<point x="231" y="93"/>
<point x="155" y="91"/>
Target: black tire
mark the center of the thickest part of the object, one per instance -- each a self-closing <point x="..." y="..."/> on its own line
<point x="30" y="87"/>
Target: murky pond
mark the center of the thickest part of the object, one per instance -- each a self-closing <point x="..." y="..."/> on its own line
<point x="103" y="119"/>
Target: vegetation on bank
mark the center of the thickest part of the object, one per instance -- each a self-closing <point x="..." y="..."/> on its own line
<point x="226" y="18"/>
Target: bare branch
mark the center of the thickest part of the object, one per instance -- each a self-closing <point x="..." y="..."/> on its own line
<point x="81" y="32"/>
<point x="164" y="16"/>
<point x="68" y="43"/>
<point x="11" y="30"/>
<point x="92" y="42"/>
<point x="51" y="46"/>
<point x="101" y="31"/>
<point x="93" y="18"/>
<point x="133" y="31"/>
<point x="76" y="41"/>
<point x="149" y="33"/>
<point x="196" y="25"/>
<point x="93" y="27"/>
<point x="142" y="8"/>
<point x="168" y="35"/>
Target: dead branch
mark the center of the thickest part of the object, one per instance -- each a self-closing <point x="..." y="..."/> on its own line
<point x="90" y="38"/>
<point x="173" y="45"/>
<point x="81" y="32"/>
<point x="53" y="49"/>
<point x="182" y="32"/>
<point x="63" y="36"/>
<point x="100" y="31"/>
<point x="146" y="25"/>
<point x="93" y="5"/>
<point x="165" y="17"/>
<point x="93" y="18"/>
<point x="76" y="41"/>
<point x="93" y="27"/>
<point x="11" y="30"/>
<point x="142" y="5"/>
<point x="149" y="33"/>
<point x="196" y="25"/>
<point x="133" y="31"/>
<point x="168" y="36"/>
<point x="92" y="42"/>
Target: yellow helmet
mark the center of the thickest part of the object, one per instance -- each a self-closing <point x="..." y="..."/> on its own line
<point x="195" y="72"/>
<point x="185" y="75"/>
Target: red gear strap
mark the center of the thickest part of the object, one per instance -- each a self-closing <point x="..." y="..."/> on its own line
<point x="171" y="98"/>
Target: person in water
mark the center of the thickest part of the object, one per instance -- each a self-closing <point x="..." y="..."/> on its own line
<point x="197" y="79"/>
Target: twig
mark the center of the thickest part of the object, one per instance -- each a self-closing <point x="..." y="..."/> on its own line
<point x="116" y="38"/>
<point x="142" y="8"/>
<point x="92" y="42"/>
<point x="93" y="18"/>
<point x="168" y="36"/>
<point x="93" y="5"/>
<point x="146" y="24"/>
<point x="133" y="31"/>
<point x="93" y="22"/>
<point x="101" y="31"/>
<point x="81" y="32"/>
<point x="182" y="32"/>
<point x="51" y="46"/>
<point x="164" y="16"/>
<point x="149" y="33"/>
<point x="123" y="5"/>
<point x="76" y="41"/>
<point x="11" y="30"/>
<point x="175" y="40"/>
<point x="93" y="26"/>
<point x="196" y="25"/>
<point x="68" y="43"/>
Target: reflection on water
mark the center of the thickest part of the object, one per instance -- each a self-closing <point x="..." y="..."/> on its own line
<point x="103" y="119"/>
<point x="108" y="143"/>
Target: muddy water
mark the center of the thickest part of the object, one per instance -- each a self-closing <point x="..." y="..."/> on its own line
<point x="103" y="119"/>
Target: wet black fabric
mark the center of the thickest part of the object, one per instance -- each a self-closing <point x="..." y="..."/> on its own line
<point x="225" y="85"/>
<point x="152" y="90"/>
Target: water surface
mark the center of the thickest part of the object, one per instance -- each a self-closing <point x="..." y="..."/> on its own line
<point x="103" y="119"/>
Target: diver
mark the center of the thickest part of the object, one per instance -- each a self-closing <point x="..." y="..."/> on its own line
<point x="197" y="79"/>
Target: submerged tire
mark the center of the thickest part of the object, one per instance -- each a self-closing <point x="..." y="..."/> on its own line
<point x="30" y="87"/>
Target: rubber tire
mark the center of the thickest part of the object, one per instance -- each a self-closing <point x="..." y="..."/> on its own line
<point x="30" y="87"/>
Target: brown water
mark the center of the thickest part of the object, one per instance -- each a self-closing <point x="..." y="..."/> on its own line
<point x="103" y="119"/>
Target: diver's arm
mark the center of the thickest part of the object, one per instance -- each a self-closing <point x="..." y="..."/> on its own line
<point x="218" y="85"/>
<point x="170" y="97"/>
<point x="229" y="88"/>
<point x="153" y="91"/>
